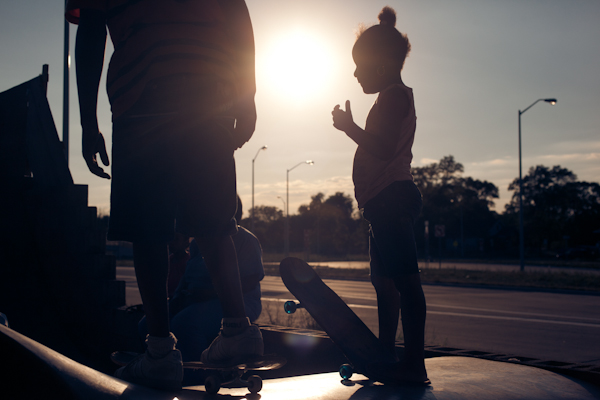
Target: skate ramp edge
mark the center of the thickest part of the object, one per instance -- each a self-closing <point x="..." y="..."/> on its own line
<point x="35" y="371"/>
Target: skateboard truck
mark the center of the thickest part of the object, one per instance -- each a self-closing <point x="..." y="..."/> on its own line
<point x="291" y="306"/>
<point x="215" y="381"/>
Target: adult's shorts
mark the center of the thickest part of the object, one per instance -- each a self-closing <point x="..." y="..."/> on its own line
<point x="172" y="174"/>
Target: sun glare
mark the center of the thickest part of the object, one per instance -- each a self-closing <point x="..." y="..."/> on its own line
<point x="296" y="66"/>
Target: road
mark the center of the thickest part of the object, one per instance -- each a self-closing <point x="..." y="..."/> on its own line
<point x="542" y="325"/>
<point x="472" y="266"/>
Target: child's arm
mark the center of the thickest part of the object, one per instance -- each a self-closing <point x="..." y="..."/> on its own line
<point x="242" y="37"/>
<point x="394" y="105"/>
<point x="89" y="60"/>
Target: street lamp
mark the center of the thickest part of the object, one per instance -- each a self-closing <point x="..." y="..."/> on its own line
<point x="252" y="209"/>
<point x="521" y="232"/>
<point x="282" y="200"/>
<point x="287" y="205"/>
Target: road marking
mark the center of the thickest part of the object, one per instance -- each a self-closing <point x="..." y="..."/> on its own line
<point x="515" y="319"/>
<point x="595" y="320"/>
<point x="484" y="310"/>
<point x="497" y="317"/>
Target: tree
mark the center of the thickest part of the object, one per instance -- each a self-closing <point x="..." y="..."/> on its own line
<point x="333" y="229"/>
<point x="268" y="227"/>
<point x="461" y="204"/>
<point x="266" y="213"/>
<point x="556" y="208"/>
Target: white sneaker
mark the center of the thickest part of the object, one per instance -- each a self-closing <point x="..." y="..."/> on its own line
<point x="235" y="349"/>
<point x="161" y="373"/>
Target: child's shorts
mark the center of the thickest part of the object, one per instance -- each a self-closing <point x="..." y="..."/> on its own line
<point x="392" y="214"/>
<point x="172" y="174"/>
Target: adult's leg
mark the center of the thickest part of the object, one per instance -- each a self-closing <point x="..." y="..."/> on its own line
<point x="237" y="339"/>
<point x="221" y="261"/>
<point x="195" y="328"/>
<point x="151" y="262"/>
<point x="160" y="366"/>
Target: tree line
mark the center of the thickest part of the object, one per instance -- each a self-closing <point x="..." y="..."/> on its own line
<point x="559" y="212"/>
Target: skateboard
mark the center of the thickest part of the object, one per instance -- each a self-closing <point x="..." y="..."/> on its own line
<point x="342" y="325"/>
<point x="221" y="375"/>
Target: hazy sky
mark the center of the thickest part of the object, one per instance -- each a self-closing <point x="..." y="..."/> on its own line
<point x="474" y="64"/>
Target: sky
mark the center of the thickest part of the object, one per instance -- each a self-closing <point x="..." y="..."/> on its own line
<point x="474" y="64"/>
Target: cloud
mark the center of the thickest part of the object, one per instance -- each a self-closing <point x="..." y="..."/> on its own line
<point x="427" y="161"/>
<point x="571" y="157"/>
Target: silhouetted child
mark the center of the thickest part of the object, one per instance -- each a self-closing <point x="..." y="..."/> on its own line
<point x="385" y="191"/>
<point x="181" y="84"/>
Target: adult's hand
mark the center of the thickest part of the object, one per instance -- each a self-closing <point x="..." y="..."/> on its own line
<point x="92" y="144"/>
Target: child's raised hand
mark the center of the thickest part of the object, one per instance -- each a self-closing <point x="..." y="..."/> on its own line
<point x="343" y="120"/>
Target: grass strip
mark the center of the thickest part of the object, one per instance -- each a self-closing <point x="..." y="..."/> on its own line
<point x="542" y="280"/>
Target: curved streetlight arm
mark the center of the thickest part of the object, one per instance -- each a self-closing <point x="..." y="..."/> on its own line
<point x="259" y="150"/>
<point x="287" y="204"/>
<point x="282" y="200"/>
<point x="551" y="101"/>
<point x="309" y="162"/>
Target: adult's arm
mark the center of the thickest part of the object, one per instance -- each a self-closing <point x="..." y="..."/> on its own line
<point x="89" y="60"/>
<point x="242" y="37"/>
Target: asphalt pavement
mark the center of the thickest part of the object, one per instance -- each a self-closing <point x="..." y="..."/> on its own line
<point x="545" y="325"/>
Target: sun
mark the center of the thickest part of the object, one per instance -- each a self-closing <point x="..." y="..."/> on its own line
<point x="296" y="66"/>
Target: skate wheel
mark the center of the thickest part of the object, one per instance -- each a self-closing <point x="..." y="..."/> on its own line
<point x="290" y="307"/>
<point x="346" y="371"/>
<point x="255" y="384"/>
<point x="212" y="384"/>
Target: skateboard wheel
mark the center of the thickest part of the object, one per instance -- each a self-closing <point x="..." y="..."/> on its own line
<point x="290" y="307"/>
<point x="254" y="384"/>
<point x="346" y="371"/>
<point x="212" y="384"/>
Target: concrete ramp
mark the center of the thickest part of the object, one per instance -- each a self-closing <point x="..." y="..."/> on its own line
<point x="452" y="378"/>
<point x="32" y="370"/>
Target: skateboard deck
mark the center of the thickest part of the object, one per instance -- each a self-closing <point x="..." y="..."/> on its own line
<point x="228" y="375"/>
<point x="360" y="346"/>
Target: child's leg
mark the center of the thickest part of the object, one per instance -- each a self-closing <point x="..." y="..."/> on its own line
<point x="388" y="309"/>
<point x="151" y="261"/>
<point x="394" y="264"/>
<point x="413" y="320"/>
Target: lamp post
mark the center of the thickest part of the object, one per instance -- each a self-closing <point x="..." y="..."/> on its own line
<point x="521" y="231"/>
<point x="462" y="232"/>
<point x="252" y="209"/>
<point x="66" y="66"/>
<point x="287" y="205"/>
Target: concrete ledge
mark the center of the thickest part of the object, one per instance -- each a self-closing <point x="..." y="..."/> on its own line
<point x="311" y="351"/>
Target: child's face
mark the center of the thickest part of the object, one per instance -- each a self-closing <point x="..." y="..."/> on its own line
<point x="366" y="71"/>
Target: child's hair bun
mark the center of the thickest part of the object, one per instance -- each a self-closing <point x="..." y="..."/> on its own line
<point x="387" y="17"/>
